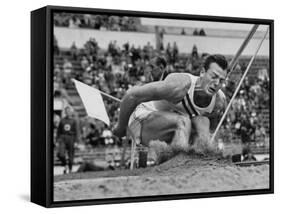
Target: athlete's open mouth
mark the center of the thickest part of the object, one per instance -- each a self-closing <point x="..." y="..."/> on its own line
<point x="212" y="90"/>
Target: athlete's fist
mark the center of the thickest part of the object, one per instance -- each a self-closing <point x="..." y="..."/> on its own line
<point x="118" y="131"/>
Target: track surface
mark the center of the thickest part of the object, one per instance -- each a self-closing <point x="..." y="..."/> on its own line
<point x="182" y="174"/>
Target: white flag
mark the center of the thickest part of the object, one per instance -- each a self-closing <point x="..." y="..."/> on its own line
<point x="92" y="101"/>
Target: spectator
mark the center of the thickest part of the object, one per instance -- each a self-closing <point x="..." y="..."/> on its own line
<point x="147" y="50"/>
<point x="175" y="53"/>
<point x="73" y="51"/>
<point x="183" y="32"/>
<point x="67" y="70"/>
<point x="244" y="129"/>
<point x="248" y="155"/>
<point x="57" y="70"/>
<point x="263" y="75"/>
<point x="57" y="84"/>
<point x="74" y="22"/>
<point x="107" y="136"/>
<point x="93" y="138"/>
<point x="260" y="135"/>
<point x="195" y="32"/>
<point x="67" y="66"/>
<point x="126" y="47"/>
<point x="87" y="19"/>
<point x="84" y="63"/>
<point x="56" y="121"/>
<point x="202" y="32"/>
<point x="92" y="166"/>
<point x="194" y="53"/>
<point x="220" y="145"/>
<point x="67" y="135"/>
<point x="169" y="52"/>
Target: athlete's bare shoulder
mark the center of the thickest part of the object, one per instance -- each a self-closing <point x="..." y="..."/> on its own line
<point x="181" y="80"/>
<point x="179" y="83"/>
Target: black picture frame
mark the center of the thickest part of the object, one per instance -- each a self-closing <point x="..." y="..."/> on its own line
<point x="42" y="181"/>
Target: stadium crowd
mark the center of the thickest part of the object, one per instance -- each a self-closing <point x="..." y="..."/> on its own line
<point x="99" y="22"/>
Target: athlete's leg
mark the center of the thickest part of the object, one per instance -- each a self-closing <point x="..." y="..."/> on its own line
<point x="61" y="151"/>
<point x="166" y="126"/>
<point x="166" y="133"/>
<point x="201" y="126"/>
<point x="201" y="137"/>
<point x="70" y="151"/>
<point x="181" y="137"/>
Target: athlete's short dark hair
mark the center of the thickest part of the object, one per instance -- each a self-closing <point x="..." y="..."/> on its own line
<point x="217" y="58"/>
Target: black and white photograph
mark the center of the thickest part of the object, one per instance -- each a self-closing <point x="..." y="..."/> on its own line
<point x="156" y="106"/>
<point x="140" y="107"/>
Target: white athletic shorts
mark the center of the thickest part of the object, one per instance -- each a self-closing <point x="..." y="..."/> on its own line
<point x="137" y="117"/>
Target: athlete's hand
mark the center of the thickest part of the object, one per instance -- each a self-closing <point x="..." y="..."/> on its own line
<point x="118" y="131"/>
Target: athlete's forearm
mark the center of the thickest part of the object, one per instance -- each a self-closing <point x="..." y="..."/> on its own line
<point x="128" y="105"/>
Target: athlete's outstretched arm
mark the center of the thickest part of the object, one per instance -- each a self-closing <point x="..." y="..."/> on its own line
<point x="172" y="89"/>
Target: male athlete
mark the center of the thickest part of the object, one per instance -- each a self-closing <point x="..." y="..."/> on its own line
<point x="181" y="109"/>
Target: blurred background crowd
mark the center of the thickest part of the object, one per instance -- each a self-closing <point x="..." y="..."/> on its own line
<point x="98" y="22"/>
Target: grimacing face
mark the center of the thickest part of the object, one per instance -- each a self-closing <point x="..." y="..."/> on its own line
<point x="213" y="79"/>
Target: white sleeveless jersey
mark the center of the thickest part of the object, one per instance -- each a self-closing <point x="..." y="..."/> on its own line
<point x="187" y="105"/>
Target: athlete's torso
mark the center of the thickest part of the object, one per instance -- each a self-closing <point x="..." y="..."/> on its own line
<point x="187" y="105"/>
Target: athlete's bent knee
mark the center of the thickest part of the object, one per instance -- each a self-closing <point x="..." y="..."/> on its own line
<point x="182" y="134"/>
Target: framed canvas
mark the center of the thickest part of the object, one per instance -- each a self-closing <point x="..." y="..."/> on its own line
<point x="134" y="106"/>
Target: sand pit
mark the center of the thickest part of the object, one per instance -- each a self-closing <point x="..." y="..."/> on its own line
<point x="182" y="174"/>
